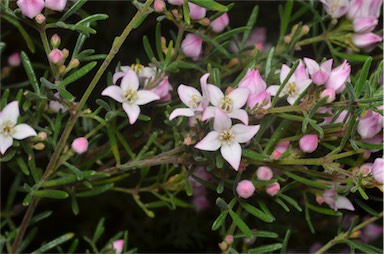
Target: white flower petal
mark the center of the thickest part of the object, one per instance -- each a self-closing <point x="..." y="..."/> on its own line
<point x="311" y="64"/>
<point x="239" y="97"/>
<point x="186" y="93"/>
<point x="272" y="90"/>
<point x="222" y="121"/>
<point x="343" y="203"/>
<point x="144" y="97"/>
<point x="133" y="112"/>
<point x="5" y="143"/>
<point x="302" y="85"/>
<point x="208" y="113"/>
<point x="130" y="81"/>
<point x="23" y="131"/>
<point x="284" y="73"/>
<point x="244" y="133"/>
<point x="181" y="112"/>
<point x="117" y="76"/>
<point x="10" y="112"/>
<point x="239" y="114"/>
<point x="210" y="142"/>
<point x="232" y="154"/>
<point x="291" y="99"/>
<point x="215" y="95"/>
<point x="114" y="92"/>
<point x="327" y="66"/>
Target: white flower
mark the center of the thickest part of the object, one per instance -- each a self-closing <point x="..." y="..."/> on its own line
<point x="227" y="137"/>
<point x="129" y="95"/>
<point x="9" y="130"/>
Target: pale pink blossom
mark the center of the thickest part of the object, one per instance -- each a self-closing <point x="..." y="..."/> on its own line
<point x="229" y="239"/>
<point x="366" y="168"/>
<point x="319" y="73"/>
<point x="227" y="138"/>
<point x="30" y="8"/>
<point x="273" y="189"/>
<point x="308" y="143"/>
<point x="338" y="77"/>
<point x="80" y="145"/>
<point x="55" y="106"/>
<point x="192" y="46"/>
<point x="364" y="24"/>
<point x="129" y="95"/>
<point x="264" y="173"/>
<point x="378" y="170"/>
<point x="253" y="81"/>
<point x="118" y="246"/>
<point x="14" y="59"/>
<point x="9" y="129"/>
<point x="336" y="8"/>
<point x="366" y="41"/>
<point x="159" y="5"/>
<point x="145" y="74"/>
<point x="56" y="56"/>
<point x="364" y="8"/>
<point x="40" y="18"/>
<point x="245" y="189"/>
<point x="370" y="124"/>
<point x="336" y="201"/>
<point x="219" y="24"/>
<point x="196" y="12"/>
<point x="261" y="100"/>
<point x="56" y="5"/>
<point x="281" y="147"/>
<point x="55" y="40"/>
<point x="163" y="89"/>
<point x="330" y="93"/>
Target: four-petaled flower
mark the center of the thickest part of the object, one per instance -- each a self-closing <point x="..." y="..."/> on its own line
<point x="9" y="129"/>
<point x="227" y="138"/>
<point x="129" y="95"/>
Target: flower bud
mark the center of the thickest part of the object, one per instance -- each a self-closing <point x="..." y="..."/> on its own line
<point x="14" y="60"/>
<point x="163" y="90"/>
<point x="276" y="155"/>
<point x="42" y="135"/>
<point x="305" y="29"/>
<point x="366" y="154"/>
<point x="253" y="81"/>
<point x="364" y="24"/>
<point x="370" y="124"/>
<point x="73" y="63"/>
<point x="366" y="169"/>
<point x="219" y="24"/>
<point x="159" y="5"/>
<point x="196" y="12"/>
<point x="204" y="22"/>
<point x="273" y="189"/>
<point x="338" y="77"/>
<point x="378" y="170"/>
<point x="330" y="93"/>
<point x="282" y="146"/>
<point x="118" y="246"/>
<point x="40" y="19"/>
<point x="229" y="239"/>
<point x="192" y="46"/>
<point x="56" y="56"/>
<point x="56" y="5"/>
<point x="65" y="53"/>
<point x="80" y="145"/>
<point x="264" y="173"/>
<point x="62" y="69"/>
<point x="366" y="41"/>
<point x="308" y="143"/>
<point x="39" y="146"/>
<point x="55" y="41"/>
<point x="261" y="100"/>
<point x="30" y="8"/>
<point x="245" y="189"/>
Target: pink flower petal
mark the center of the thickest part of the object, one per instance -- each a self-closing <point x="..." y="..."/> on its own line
<point x="343" y="203"/>
<point x="244" y="133"/>
<point x="327" y="66"/>
<point x="239" y="114"/>
<point x="210" y="142"/>
<point x="208" y="113"/>
<point x="187" y="93"/>
<point x="284" y="73"/>
<point x="222" y="121"/>
<point x="133" y="112"/>
<point x="312" y="65"/>
<point x="144" y="97"/>
<point x="117" y="76"/>
<point x="232" y="154"/>
<point x="23" y="131"/>
<point x="5" y="143"/>
<point x="239" y="97"/>
<point x="215" y="95"/>
<point x="272" y="90"/>
<point x="114" y="92"/>
<point x="10" y="112"/>
<point x="181" y="112"/>
<point x="130" y="81"/>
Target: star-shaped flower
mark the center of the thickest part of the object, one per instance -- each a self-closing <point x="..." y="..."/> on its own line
<point x="9" y="129"/>
<point x="227" y="138"/>
<point x="129" y="95"/>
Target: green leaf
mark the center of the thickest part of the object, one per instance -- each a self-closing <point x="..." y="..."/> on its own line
<point x="254" y="155"/>
<point x="141" y="20"/>
<point x="231" y="33"/>
<point x="259" y="233"/>
<point x="79" y="174"/>
<point x="266" y="248"/>
<point x="250" y="24"/>
<point x="84" y="29"/>
<point x="93" y="18"/>
<point x="323" y="210"/>
<point x="307" y="181"/>
<point x="158" y="42"/>
<point x="214" y="43"/>
<point x="240" y="223"/>
<point x="30" y="72"/>
<point x="353" y="58"/>
<point x="366" y="207"/>
<point x="23" y="166"/>
<point x="222" y="204"/>
<point x="369" y="146"/>
<point x="279" y="131"/>
<point x="282" y="204"/>
<point x="291" y="201"/>
<point x="256" y="212"/>
<point x="366" y="248"/>
<point x="219" y="221"/>
<point x="78" y="74"/>
<point x="285" y="241"/>
<point x="23" y="33"/>
<point x="363" y="77"/>
<point x="76" y="6"/>
<point x="286" y="18"/>
<point x="113" y="144"/>
<point x="2" y="46"/>
<point x="56" y="194"/>
<point x="99" y="230"/>
<point x="269" y="61"/>
<point x="187" y="19"/>
<point x="65" y="94"/>
<point x="210" y="5"/>
<point x="40" y="217"/>
<point x="54" y="243"/>
<point x="95" y="191"/>
<point x="74" y="205"/>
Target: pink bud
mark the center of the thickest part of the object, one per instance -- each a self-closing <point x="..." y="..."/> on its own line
<point x="56" y="5"/>
<point x="366" y="41"/>
<point x="159" y="5"/>
<point x="56" y="56"/>
<point x="282" y="146"/>
<point x="30" y="8"/>
<point x="176" y="2"/>
<point x="264" y="173"/>
<point x="253" y="81"/>
<point x="42" y="135"/>
<point x="366" y="169"/>
<point x="308" y="143"/>
<point x="196" y="12"/>
<point x="330" y="93"/>
<point x="245" y="189"/>
<point x="163" y="90"/>
<point x="364" y="24"/>
<point x="276" y="155"/>
<point x="118" y="246"/>
<point x="14" y="59"/>
<point x="229" y="239"/>
<point x="219" y="24"/>
<point x="192" y="46"/>
<point x="261" y="100"/>
<point x="40" y="19"/>
<point x="273" y="189"/>
<point x="338" y="77"/>
<point x="55" y="41"/>
<point x="80" y="145"/>
<point x="378" y="170"/>
<point x="370" y="124"/>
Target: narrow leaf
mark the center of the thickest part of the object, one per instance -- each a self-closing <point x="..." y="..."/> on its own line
<point x="240" y="223"/>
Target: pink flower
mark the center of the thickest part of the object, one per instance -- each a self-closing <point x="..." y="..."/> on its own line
<point x="273" y="189"/>
<point x="370" y="124"/>
<point x="219" y="24"/>
<point x="176" y="2"/>
<point x="56" y="5"/>
<point x="308" y="143"/>
<point x="159" y="5"/>
<point x="227" y="138"/>
<point x="319" y="74"/>
<point x="280" y="148"/>
<point x="56" y="56"/>
<point x="366" y="169"/>
<point x="201" y="202"/>
<point x="55" y="40"/>
<point x="264" y="173"/>
<point x="330" y="93"/>
<point x="364" y="8"/>
<point x="129" y="95"/>
<point x="229" y="239"/>
<point x="80" y="145"/>
<point x="192" y="46"/>
<point x="245" y="189"/>
<point x="366" y="41"/>
<point x="30" y="8"/>
<point x="335" y="8"/>
<point x="378" y="170"/>
<point x="196" y="12"/>
<point x="163" y="89"/>
<point x="336" y="201"/>
<point x="260" y="100"/>
<point x="338" y="77"/>
<point x="9" y="129"/>
<point x="192" y="98"/>
<point x="253" y="81"/>
<point x="118" y="246"/>
<point x="364" y="24"/>
<point x="55" y="106"/>
<point x="14" y="59"/>
<point x="144" y="73"/>
<point x="230" y="104"/>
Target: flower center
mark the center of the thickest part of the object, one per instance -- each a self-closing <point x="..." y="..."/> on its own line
<point x="137" y="67"/>
<point x="7" y="128"/>
<point x="226" y="137"/>
<point x="334" y="5"/>
<point x="195" y="101"/>
<point x="130" y="95"/>
<point x="291" y="89"/>
<point x="226" y="104"/>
